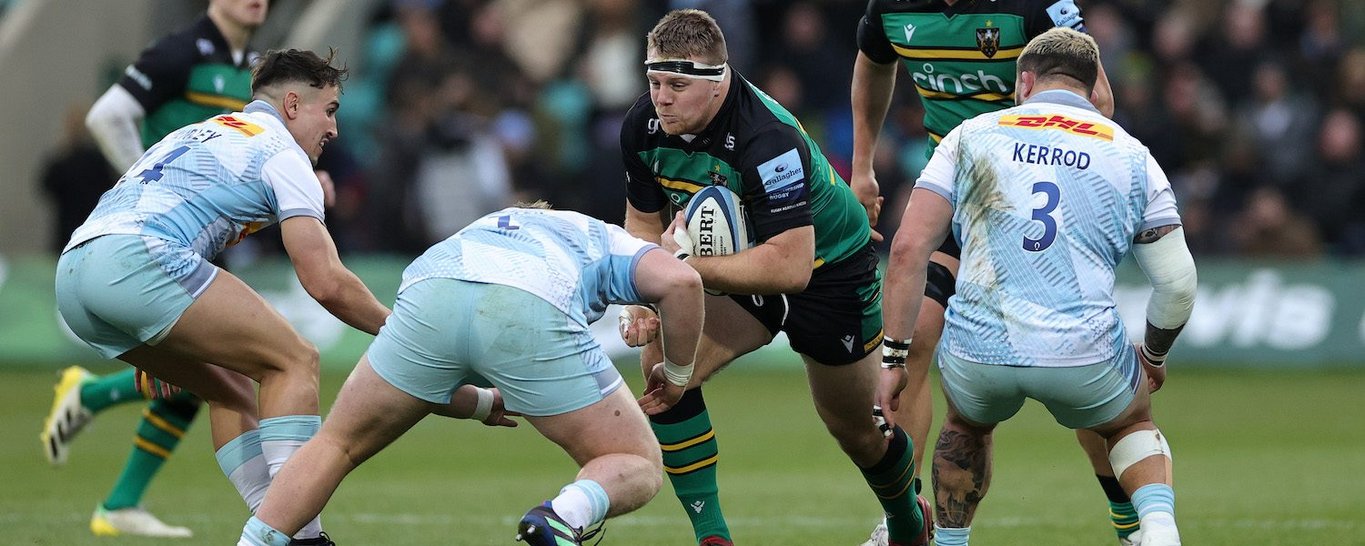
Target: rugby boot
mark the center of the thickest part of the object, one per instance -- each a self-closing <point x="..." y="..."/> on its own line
<point x="320" y="540"/>
<point x="879" y="535"/>
<point x="134" y="521"/>
<point x="67" y="417"/>
<point x="541" y="526"/>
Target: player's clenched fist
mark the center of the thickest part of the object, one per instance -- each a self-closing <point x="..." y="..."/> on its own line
<point x="638" y="325"/>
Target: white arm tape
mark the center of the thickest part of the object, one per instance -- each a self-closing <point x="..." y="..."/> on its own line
<point x="677" y="375"/>
<point x="684" y="240"/>
<point x="1170" y="267"/>
<point x="484" y="406"/>
<point x="113" y="121"/>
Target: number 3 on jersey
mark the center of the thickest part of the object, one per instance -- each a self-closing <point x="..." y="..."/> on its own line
<point x="154" y="174"/>
<point x="1051" y="196"/>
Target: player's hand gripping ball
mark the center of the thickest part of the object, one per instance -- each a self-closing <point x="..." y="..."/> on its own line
<point x="716" y="223"/>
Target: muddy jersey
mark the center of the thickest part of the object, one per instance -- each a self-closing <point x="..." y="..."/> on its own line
<point x="757" y="149"/>
<point x="575" y="262"/>
<point x="187" y="77"/>
<point x="1047" y="197"/>
<point x="961" y="58"/>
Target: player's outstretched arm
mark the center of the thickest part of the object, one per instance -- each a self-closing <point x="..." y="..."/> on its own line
<point x="113" y="122"/>
<point x="326" y="279"/>
<point x="873" y="84"/>
<point x="675" y="289"/>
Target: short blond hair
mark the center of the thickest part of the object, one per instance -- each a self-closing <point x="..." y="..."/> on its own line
<point x="688" y="33"/>
<point x="1062" y="52"/>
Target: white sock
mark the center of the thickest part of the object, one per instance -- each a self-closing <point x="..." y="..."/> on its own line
<point x="581" y="503"/>
<point x="244" y="465"/>
<point x="280" y="438"/>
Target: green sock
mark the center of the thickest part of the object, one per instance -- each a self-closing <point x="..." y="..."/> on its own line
<point x="163" y="424"/>
<point x="110" y="390"/>
<point x="1121" y="513"/>
<point x="893" y="480"/>
<point x="690" y="456"/>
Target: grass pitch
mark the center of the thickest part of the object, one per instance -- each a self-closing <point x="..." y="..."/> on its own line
<point x="1260" y="458"/>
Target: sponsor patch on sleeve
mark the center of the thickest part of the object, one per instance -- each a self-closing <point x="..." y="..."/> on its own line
<point x="1064" y="13"/>
<point x="782" y="175"/>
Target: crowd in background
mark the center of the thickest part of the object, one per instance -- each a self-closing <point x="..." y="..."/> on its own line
<point x="458" y="107"/>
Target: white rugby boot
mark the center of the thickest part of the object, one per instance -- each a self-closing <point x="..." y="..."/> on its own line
<point x="135" y="521"/>
<point x="879" y="535"/>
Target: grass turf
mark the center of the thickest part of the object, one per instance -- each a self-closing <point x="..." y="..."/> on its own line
<point x="1260" y="458"/>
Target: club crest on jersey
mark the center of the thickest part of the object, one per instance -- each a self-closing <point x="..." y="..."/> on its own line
<point x="988" y="40"/>
<point x="718" y="179"/>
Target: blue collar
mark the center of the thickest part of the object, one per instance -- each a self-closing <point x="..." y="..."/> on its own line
<point x="260" y="106"/>
<point x="1063" y="97"/>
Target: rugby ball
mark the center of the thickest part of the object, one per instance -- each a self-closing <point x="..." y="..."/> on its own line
<point x="716" y="222"/>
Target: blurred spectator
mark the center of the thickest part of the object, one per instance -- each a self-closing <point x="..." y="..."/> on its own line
<point x="1173" y="38"/>
<point x="1233" y="53"/>
<point x="75" y="177"/>
<point x="1351" y="81"/>
<point x="1333" y="192"/>
<point x="1105" y="24"/>
<point x="1198" y="114"/>
<point x="541" y="34"/>
<point x="1269" y="228"/>
<point x="1281" y="122"/>
<point x="821" y="67"/>
<point x="1321" y="44"/>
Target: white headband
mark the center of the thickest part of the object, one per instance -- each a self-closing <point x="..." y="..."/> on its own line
<point x="687" y="68"/>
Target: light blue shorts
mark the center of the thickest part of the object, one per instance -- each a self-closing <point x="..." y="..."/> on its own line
<point x="1078" y="397"/>
<point x="444" y="333"/>
<point x="117" y="292"/>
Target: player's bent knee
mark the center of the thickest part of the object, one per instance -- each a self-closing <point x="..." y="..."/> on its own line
<point x="857" y="440"/>
<point x="1135" y="447"/>
<point x="301" y="357"/>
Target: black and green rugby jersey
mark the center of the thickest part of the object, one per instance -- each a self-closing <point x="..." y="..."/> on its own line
<point x="757" y="149"/>
<point x="185" y="78"/>
<point x="960" y="57"/>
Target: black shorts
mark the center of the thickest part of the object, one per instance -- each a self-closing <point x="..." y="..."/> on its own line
<point x="837" y="320"/>
<point x="950" y="247"/>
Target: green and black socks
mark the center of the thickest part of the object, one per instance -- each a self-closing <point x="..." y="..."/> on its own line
<point x="164" y="422"/>
<point x="893" y="480"/>
<point x="690" y="455"/>
<point x="1121" y="513"/>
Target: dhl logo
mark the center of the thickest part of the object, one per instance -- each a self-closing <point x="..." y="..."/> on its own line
<point x="247" y="128"/>
<point x="248" y="228"/>
<point x="1083" y="128"/>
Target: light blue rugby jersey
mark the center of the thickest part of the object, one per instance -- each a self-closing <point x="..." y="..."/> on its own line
<point x="1047" y="197"/>
<point x="208" y="185"/>
<point x="577" y="263"/>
